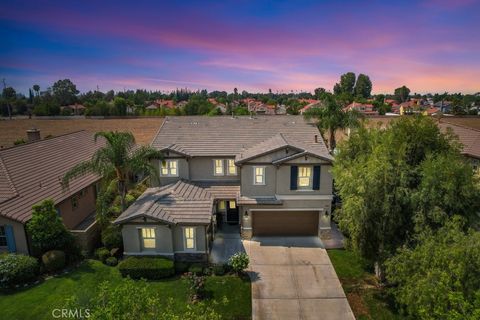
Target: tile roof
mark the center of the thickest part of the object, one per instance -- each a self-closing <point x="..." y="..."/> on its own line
<point x="468" y="137"/>
<point x="226" y="136"/>
<point x="32" y="172"/>
<point x="179" y="202"/>
<point x="221" y="189"/>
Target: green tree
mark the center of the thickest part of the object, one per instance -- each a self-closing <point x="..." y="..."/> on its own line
<point x="401" y="94"/>
<point x="346" y="85"/>
<point x="331" y="118"/>
<point x="36" y="88"/>
<point x="363" y="86"/>
<point x="46" y="229"/>
<point x="119" y="158"/>
<point x="440" y="277"/>
<point x="120" y="106"/>
<point x="65" y="92"/>
<point x="320" y="93"/>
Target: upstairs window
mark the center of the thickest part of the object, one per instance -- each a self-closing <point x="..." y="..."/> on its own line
<point x="259" y="175"/>
<point x="218" y="167"/>
<point x="148" y="238"/>
<point x="231" y="167"/>
<point x="304" y="177"/>
<point x="169" y="168"/>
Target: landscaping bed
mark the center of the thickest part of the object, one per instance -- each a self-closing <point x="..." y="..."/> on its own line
<point x="228" y="295"/>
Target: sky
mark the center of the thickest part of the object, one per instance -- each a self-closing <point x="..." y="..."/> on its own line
<point x="428" y="45"/>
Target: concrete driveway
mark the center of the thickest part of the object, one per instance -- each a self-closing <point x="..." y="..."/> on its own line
<point x="293" y="278"/>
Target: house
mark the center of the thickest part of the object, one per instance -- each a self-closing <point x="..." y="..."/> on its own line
<point x="75" y="109"/>
<point x="314" y="104"/>
<point x="265" y="176"/>
<point x="32" y="172"/>
<point x="470" y="140"/>
<point x="364" y="108"/>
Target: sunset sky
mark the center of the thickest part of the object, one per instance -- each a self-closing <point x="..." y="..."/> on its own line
<point x="430" y="45"/>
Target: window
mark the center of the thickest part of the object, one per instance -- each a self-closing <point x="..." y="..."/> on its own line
<point x="218" y="167"/>
<point x="221" y="205"/>
<point x="74" y="202"/>
<point x="259" y="175"/>
<point x="189" y="235"/>
<point x="232" y="204"/>
<point x="231" y="167"/>
<point x="148" y="238"/>
<point x="3" y="237"/>
<point x="169" y="168"/>
<point x="304" y="177"/>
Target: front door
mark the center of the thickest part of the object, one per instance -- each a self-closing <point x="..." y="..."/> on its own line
<point x="232" y="212"/>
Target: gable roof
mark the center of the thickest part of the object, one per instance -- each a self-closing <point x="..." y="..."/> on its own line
<point x="32" y="172"/>
<point x="198" y="136"/>
<point x="180" y="202"/>
<point x="277" y="142"/>
<point x="469" y="137"/>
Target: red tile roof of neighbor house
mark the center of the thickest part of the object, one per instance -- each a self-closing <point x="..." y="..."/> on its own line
<point x="32" y="172"/>
<point x="364" y="108"/>
<point x="468" y="137"/>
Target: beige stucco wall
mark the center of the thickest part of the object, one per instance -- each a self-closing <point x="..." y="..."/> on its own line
<point x="169" y="239"/>
<point x="283" y="181"/>
<point x="19" y="234"/>
<point x="183" y="172"/>
<point x="249" y="189"/>
<point x="201" y="169"/>
<point x="86" y="206"/>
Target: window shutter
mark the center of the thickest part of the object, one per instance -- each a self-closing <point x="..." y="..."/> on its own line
<point x="316" y="178"/>
<point x="293" y="177"/>
<point x="10" y="239"/>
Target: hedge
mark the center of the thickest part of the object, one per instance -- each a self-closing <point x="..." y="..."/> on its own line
<point x="146" y="267"/>
<point x="16" y="269"/>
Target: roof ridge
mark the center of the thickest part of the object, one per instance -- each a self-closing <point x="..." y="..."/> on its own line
<point x="28" y="143"/>
<point x="7" y="175"/>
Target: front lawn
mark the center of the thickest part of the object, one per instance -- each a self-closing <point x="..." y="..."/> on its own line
<point x="38" y="302"/>
<point x="366" y="298"/>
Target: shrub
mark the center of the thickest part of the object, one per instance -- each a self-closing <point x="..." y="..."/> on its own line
<point x="112" y="237"/>
<point x="53" y="260"/>
<point x="111" y="261"/>
<point x="146" y="267"/>
<point x="181" y="267"/>
<point x="207" y="271"/>
<point x="17" y="269"/>
<point x="196" y="268"/>
<point x="129" y="199"/>
<point x="196" y="286"/>
<point x="218" y="270"/>
<point x="239" y="262"/>
<point x="102" y="254"/>
<point x="19" y="141"/>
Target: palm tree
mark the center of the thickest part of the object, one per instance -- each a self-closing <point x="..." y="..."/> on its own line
<point x="119" y="158"/>
<point x="331" y="117"/>
<point x="36" y="88"/>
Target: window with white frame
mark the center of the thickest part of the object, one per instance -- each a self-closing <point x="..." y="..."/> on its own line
<point x="169" y="168"/>
<point x="3" y="237"/>
<point x="189" y="237"/>
<point x="232" y="204"/>
<point x="304" y="177"/>
<point x="148" y="238"/>
<point x="218" y="167"/>
<point x="231" y="167"/>
<point x="259" y="175"/>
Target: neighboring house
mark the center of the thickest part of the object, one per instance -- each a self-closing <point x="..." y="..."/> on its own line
<point x="469" y="138"/>
<point x="364" y="108"/>
<point x="32" y="172"/>
<point x="268" y="175"/>
<point x="75" y="109"/>
<point x="315" y="104"/>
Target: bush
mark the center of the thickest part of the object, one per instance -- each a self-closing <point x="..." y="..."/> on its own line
<point x="17" y="269"/>
<point x="218" y="270"/>
<point x="181" y="267"/>
<point x="112" y="237"/>
<point x="53" y="260"/>
<point x="196" y="286"/>
<point x="111" y="261"/>
<point x="239" y="262"/>
<point x="146" y="267"/>
<point x="195" y="268"/>
<point x="129" y="199"/>
<point x="102" y="254"/>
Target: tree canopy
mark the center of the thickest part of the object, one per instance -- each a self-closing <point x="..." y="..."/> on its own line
<point x="65" y="92"/>
<point x="401" y="94"/>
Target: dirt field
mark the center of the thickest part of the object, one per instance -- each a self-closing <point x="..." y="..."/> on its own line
<point x="143" y="129"/>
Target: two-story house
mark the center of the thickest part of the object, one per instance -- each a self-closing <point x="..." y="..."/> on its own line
<point x="268" y="175"/>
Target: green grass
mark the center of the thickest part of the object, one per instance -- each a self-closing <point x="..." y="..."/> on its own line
<point x="367" y="299"/>
<point x="37" y="302"/>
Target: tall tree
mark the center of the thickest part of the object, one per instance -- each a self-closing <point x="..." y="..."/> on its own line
<point x="401" y="94"/>
<point x="65" y="92"/>
<point x="36" y="88"/>
<point x="320" y="93"/>
<point x="116" y="161"/>
<point x="346" y="85"/>
<point x="331" y="118"/>
<point x="363" y="86"/>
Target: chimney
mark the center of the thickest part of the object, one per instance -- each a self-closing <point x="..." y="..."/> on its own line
<point x="316" y="138"/>
<point x="33" y="134"/>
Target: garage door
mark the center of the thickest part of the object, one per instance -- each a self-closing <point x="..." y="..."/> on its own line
<point x="285" y="223"/>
